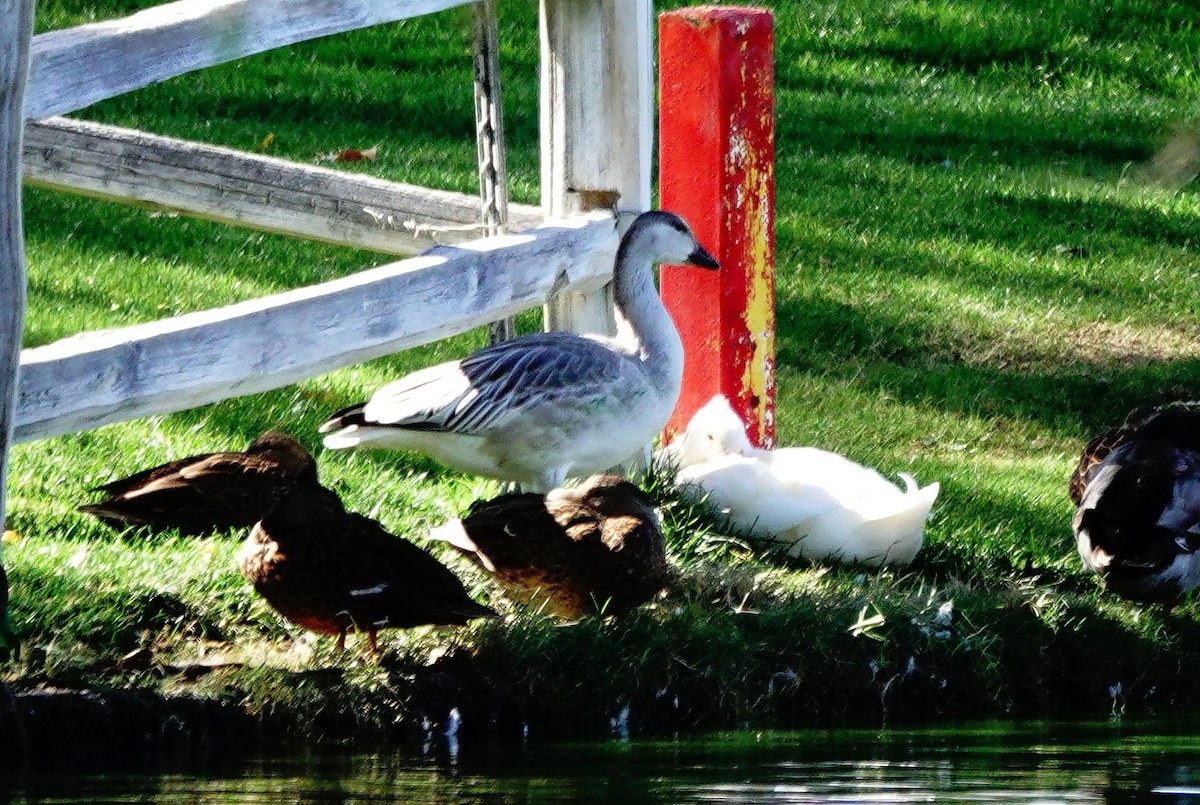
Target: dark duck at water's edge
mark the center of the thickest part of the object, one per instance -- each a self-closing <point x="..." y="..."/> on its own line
<point x="332" y="571"/>
<point x="209" y="492"/>
<point x="595" y="548"/>
<point x="1137" y="489"/>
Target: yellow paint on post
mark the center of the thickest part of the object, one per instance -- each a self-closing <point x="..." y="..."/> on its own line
<point x="758" y="378"/>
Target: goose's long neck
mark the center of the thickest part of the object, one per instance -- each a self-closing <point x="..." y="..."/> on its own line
<point x="643" y="326"/>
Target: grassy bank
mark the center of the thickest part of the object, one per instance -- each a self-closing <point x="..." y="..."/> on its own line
<point x="981" y="262"/>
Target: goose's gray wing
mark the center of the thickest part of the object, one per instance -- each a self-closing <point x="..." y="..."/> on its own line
<point x="490" y="386"/>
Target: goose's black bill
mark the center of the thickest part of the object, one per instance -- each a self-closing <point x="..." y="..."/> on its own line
<point x="703" y="259"/>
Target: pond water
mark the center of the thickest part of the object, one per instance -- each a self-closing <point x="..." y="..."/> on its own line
<point x="990" y="762"/>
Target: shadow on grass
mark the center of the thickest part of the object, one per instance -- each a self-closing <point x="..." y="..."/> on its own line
<point x="962" y="540"/>
<point x="1067" y="218"/>
<point x="1053" y="42"/>
<point x="894" y="354"/>
<point x="850" y="125"/>
<point x="960" y="205"/>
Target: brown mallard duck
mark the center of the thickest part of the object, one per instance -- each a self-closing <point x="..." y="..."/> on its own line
<point x="210" y="492"/>
<point x="330" y="571"/>
<point x="595" y="548"/>
<point x="1137" y="492"/>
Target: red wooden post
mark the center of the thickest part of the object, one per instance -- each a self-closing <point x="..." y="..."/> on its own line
<point x="717" y="170"/>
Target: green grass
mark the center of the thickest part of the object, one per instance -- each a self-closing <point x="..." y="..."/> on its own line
<point x="980" y="264"/>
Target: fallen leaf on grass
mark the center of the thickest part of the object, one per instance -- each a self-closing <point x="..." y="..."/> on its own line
<point x="353" y="155"/>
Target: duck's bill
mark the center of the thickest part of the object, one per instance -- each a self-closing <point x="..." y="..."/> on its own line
<point x="702" y="258"/>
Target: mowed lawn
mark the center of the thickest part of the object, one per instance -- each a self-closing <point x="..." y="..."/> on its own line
<point x="986" y="252"/>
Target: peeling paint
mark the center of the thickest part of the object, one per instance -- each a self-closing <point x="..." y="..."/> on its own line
<point x="758" y="378"/>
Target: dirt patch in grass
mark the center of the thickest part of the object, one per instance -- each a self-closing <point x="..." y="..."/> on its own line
<point x="1100" y="344"/>
<point x="1109" y="343"/>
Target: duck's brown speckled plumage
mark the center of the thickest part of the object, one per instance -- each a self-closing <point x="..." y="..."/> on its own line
<point x="209" y="492"/>
<point x="333" y="571"/>
<point x="575" y="551"/>
<point x="1137" y="493"/>
<point x="1098" y="449"/>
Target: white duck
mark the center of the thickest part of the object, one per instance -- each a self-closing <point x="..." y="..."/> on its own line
<point x="821" y="505"/>
<point x="545" y="406"/>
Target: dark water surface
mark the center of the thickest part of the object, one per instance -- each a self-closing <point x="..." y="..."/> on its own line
<point x="989" y="762"/>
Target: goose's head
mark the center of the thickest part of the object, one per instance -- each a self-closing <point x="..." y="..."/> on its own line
<point x="664" y="237"/>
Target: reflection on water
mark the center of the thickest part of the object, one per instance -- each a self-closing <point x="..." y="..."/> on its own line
<point x="994" y="762"/>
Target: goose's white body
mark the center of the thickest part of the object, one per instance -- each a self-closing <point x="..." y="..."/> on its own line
<point x="540" y="408"/>
<point x="814" y="503"/>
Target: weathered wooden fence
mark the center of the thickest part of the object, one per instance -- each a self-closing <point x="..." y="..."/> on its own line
<point x="596" y="131"/>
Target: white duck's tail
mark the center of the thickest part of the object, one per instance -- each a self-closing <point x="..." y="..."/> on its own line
<point x="901" y="533"/>
<point x="872" y="534"/>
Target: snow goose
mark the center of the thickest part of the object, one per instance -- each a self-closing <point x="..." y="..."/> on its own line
<point x="538" y="408"/>
<point x="330" y="571"/>
<point x="595" y="548"/>
<point x="208" y="492"/>
<point x="1137" y="492"/>
<point x="817" y="504"/>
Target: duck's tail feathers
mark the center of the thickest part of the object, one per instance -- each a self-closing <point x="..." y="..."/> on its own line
<point x="900" y="533"/>
<point x="893" y="537"/>
<point x="468" y="610"/>
<point x="347" y="437"/>
<point x="111" y="516"/>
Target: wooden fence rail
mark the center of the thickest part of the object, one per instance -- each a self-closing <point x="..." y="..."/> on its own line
<point x="236" y="187"/>
<point x="596" y="135"/>
<point x="95" y="378"/>
<point x="75" y="67"/>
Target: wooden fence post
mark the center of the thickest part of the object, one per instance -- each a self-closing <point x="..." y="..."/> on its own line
<point x="717" y="170"/>
<point x="16" y="28"/>
<point x="489" y="138"/>
<point x="596" y="124"/>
